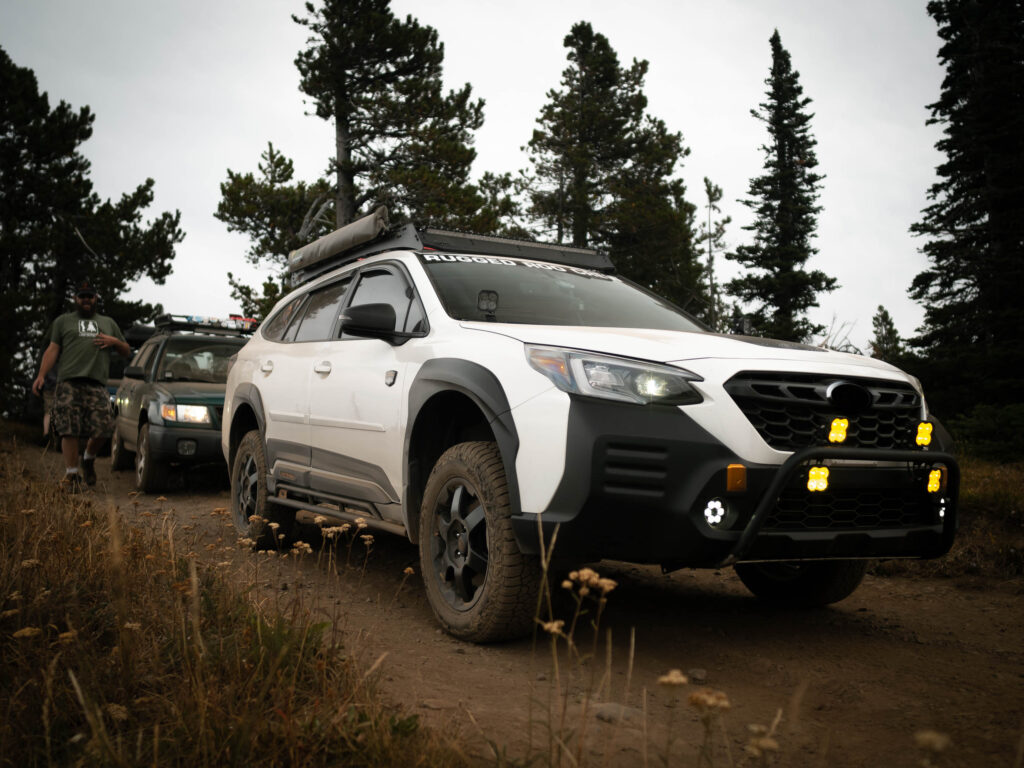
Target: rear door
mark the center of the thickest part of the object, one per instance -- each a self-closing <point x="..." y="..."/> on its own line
<point x="284" y="372"/>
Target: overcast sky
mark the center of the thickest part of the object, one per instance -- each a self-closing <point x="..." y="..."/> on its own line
<point x="185" y="89"/>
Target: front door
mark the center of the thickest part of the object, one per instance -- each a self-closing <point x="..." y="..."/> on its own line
<point x="357" y="400"/>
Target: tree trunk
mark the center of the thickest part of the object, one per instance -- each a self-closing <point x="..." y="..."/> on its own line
<point x="344" y="206"/>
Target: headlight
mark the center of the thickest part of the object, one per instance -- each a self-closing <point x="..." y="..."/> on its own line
<point x="189" y="414"/>
<point x="614" y="378"/>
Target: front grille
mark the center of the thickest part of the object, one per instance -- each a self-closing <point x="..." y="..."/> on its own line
<point x="634" y="470"/>
<point x="850" y="510"/>
<point x="792" y="411"/>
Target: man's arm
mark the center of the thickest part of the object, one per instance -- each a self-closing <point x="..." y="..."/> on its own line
<point x="105" y="341"/>
<point x="49" y="359"/>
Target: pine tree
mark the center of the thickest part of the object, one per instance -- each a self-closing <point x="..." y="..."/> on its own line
<point x="886" y="343"/>
<point x="711" y="240"/>
<point x="603" y="171"/>
<point x="784" y="201"/>
<point x="55" y="231"/>
<point x="972" y="340"/>
<point x="279" y="214"/>
<point x="399" y="139"/>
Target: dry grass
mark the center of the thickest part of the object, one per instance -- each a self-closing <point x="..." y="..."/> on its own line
<point x="990" y="541"/>
<point x="117" y="650"/>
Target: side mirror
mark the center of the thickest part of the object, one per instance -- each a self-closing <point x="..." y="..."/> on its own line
<point x="374" y="320"/>
<point x="134" y="372"/>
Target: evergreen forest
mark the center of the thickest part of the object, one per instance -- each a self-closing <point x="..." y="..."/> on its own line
<point x="600" y="170"/>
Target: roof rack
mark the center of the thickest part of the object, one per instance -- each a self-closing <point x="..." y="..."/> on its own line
<point x="235" y="325"/>
<point x="371" y="235"/>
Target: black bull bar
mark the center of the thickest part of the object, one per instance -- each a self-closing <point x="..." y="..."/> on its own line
<point x="795" y="463"/>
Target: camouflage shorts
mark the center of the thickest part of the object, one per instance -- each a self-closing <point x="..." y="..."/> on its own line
<point x="82" y="409"/>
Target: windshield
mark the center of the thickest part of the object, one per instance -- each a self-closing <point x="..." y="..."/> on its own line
<point x="507" y="290"/>
<point x="197" y="359"/>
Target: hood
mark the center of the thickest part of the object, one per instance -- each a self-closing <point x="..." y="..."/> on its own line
<point x="197" y="392"/>
<point x="678" y="346"/>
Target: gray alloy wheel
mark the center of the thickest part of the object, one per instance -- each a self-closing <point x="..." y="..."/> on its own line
<point x="481" y="587"/>
<point x="251" y="514"/>
<point x="149" y="473"/>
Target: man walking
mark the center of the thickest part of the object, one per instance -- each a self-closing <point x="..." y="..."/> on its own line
<point x="83" y="341"/>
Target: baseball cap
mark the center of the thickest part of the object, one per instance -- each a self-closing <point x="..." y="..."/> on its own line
<point x="85" y="289"/>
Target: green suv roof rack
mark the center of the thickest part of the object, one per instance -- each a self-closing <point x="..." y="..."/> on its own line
<point x="235" y="325"/>
<point x="372" y="234"/>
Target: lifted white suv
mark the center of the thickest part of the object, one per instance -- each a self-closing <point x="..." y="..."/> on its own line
<point x="475" y="394"/>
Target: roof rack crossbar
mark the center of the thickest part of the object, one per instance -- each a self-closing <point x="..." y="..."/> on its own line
<point x="371" y="235"/>
<point x="168" y="322"/>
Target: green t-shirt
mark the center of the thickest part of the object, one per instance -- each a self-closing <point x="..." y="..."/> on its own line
<point x="79" y="357"/>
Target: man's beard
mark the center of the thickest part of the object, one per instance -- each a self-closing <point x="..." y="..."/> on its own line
<point x="87" y="312"/>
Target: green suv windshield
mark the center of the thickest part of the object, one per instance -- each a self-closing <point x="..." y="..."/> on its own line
<point x="508" y="290"/>
<point x="197" y="359"/>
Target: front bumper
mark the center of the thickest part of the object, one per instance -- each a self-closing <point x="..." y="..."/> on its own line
<point x="192" y="445"/>
<point x="637" y="481"/>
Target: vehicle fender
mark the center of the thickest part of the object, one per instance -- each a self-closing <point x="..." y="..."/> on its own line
<point x="482" y="387"/>
<point x="247" y="393"/>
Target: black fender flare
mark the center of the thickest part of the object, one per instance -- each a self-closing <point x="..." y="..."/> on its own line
<point x="447" y="374"/>
<point x="247" y="394"/>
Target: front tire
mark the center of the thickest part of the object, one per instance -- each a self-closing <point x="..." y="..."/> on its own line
<point x="480" y="586"/>
<point x="120" y="457"/>
<point x="250" y="511"/>
<point x="150" y="474"/>
<point x="807" y="585"/>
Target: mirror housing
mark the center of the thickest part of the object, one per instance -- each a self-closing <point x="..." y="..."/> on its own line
<point x="376" y="321"/>
<point x="134" y="372"/>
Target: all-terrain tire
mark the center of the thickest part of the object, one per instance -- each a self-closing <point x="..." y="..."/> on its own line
<point x="120" y="456"/>
<point x="807" y="584"/>
<point x="480" y="586"/>
<point x="150" y="474"/>
<point x="251" y="512"/>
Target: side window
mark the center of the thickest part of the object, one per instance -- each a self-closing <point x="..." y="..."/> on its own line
<point x="274" y="330"/>
<point x="321" y="312"/>
<point x="144" y="356"/>
<point x="382" y="286"/>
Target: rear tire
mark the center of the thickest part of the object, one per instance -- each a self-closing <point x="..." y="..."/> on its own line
<point x="120" y="457"/>
<point x="809" y="584"/>
<point x="251" y="512"/>
<point x="480" y="586"/>
<point x="150" y="474"/>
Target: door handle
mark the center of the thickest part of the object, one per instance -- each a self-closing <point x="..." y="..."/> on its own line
<point x="267" y="366"/>
<point x="323" y="367"/>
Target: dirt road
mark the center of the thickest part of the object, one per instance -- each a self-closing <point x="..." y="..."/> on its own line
<point x="854" y="682"/>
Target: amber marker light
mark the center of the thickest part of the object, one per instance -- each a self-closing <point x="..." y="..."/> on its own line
<point x="924" y="433"/>
<point x="837" y="432"/>
<point x="817" y="479"/>
<point x="736" y="478"/>
<point x="935" y="481"/>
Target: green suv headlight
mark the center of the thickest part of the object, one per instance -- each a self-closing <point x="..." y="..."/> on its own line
<point x="614" y="378"/>
<point x="187" y="414"/>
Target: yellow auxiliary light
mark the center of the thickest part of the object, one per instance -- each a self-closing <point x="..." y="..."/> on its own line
<point x="817" y="479"/>
<point x="837" y="433"/>
<point x="935" y="481"/>
<point x="924" y="433"/>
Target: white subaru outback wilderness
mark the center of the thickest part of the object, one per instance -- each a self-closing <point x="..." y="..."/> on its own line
<point x="475" y="394"/>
